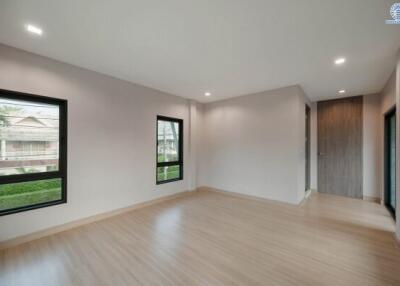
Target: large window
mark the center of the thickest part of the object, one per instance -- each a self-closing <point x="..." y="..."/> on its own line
<point x="169" y="149"/>
<point x="33" y="151"/>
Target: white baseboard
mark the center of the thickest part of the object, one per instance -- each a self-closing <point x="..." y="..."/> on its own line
<point x="372" y="199"/>
<point x="397" y="241"/>
<point x="306" y="196"/>
<point x="243" y="196"/>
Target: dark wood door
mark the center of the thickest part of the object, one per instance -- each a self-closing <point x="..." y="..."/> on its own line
<point x="340" y="147"/>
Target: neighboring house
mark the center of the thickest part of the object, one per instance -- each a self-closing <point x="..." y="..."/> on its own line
<point x="167" y="140"/>
<point x="167" y="146"/>
<point x="28" y="143"/>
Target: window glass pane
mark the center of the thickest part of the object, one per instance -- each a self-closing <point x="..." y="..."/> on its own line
<point x="392" y="154"/>
<point x="168" y="173"/>
<point x="29" y="193"/>
<point x="168" y="141"/>
<point x="29" y="137"/>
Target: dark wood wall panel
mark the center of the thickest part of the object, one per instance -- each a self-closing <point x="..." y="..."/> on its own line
<point x="340" y="146"/>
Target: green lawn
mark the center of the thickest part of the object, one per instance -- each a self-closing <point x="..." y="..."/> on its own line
<point x="29" y="193"/>
<point x="172" y="173"/>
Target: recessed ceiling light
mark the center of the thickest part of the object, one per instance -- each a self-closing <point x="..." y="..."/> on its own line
<point x="340" y="61"/>
<point x="34" y="30"/>
<point x="207" y="94"/>
<point x="342" y="91"/>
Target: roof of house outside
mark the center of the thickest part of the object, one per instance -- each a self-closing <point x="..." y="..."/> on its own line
<point x="29" y="124"/>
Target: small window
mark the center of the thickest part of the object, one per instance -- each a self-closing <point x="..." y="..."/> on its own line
<point x="169" y="149"/>
<point x="33" y="151"/>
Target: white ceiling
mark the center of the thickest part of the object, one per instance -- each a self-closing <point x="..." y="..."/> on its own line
<point x="227" y="47"/>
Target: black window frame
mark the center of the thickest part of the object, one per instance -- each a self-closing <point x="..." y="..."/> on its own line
<point x="179" y="162"/>
<point x="61" y="173"/>
<point x="387" y="168"/>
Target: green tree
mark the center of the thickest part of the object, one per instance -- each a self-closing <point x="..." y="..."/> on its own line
<point x="4" y="112"/>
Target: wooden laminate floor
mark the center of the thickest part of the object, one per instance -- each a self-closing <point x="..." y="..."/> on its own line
<point x="210" y="238"/>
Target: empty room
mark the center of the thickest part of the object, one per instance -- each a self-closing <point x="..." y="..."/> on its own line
<point x="199" y="142"/>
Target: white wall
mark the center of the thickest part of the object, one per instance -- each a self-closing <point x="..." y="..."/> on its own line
<point x="254" y="145"/>
<point x="302" y="100"/>
<point x="111" y="143"/>
<point x="372" y="146"/>
<point x="388" y="101"/>
<point x="200" y="142"/>
<point x="195" y="115"/>
<point x="391" y="97"/>
<point x="314" y="146"/>
<point x="388" y="94"/>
